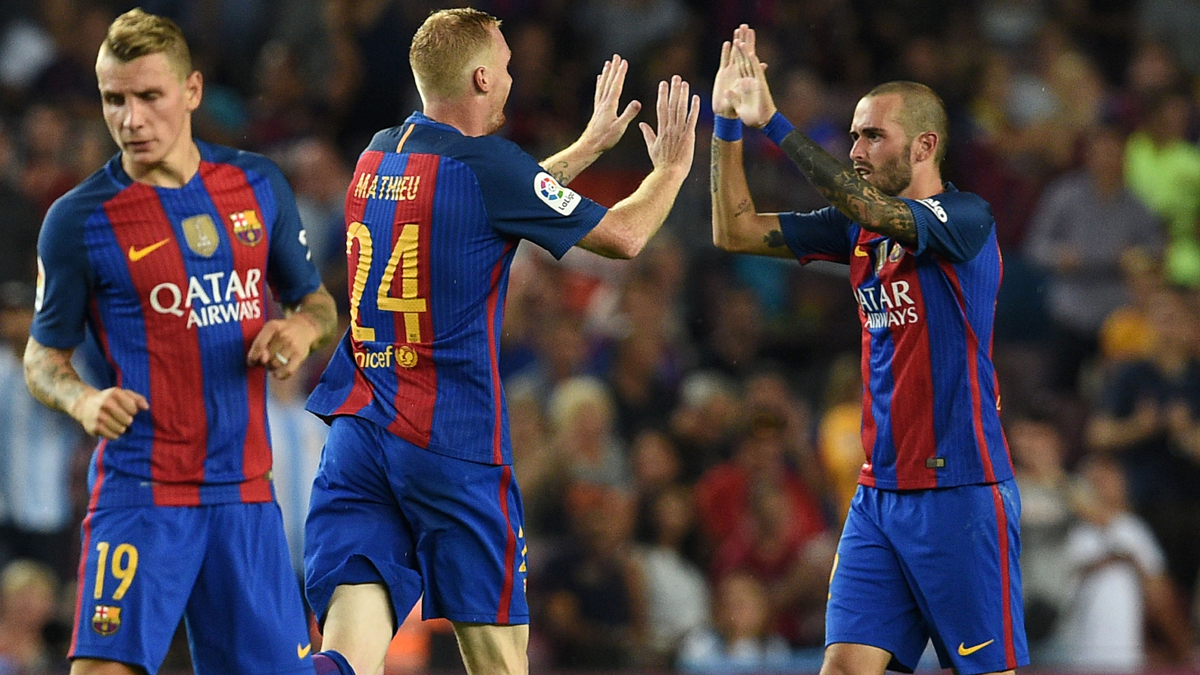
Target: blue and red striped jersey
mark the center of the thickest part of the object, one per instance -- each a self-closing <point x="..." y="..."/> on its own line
<point x="433" y="221"/>
<point x="171" y="283"/>
<point x="931" y="403"/>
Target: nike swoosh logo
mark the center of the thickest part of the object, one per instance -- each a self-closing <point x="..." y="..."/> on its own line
<point x="963" y="650"/>
<point x="136" y="254"/>
<point x="302" y="652"/>
<point x="860" y="252"/>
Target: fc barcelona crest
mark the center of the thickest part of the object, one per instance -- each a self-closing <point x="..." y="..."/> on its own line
<point x="201" y="234"/>
<point x="106" y="620"/>
<point x="247" y="227"/>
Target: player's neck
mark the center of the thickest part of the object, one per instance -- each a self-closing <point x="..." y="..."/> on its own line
<point x="924" y="184"/>
<point x="173" y="171"/>
<point x="469" y="119"/>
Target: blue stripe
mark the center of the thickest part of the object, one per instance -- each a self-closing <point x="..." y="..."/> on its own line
<point x="120" y="312"/>
<point x="222" y="350"/>
<point x="381" y="215"/>
<point x="952" y="408"/>
<point x="883" y="353"/>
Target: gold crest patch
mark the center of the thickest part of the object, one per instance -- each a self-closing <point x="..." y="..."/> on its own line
<point x="406" y="356"/>
<point x="106" y="620"/>
<point x="247" y="227"/>
<point x="201" y="234"/>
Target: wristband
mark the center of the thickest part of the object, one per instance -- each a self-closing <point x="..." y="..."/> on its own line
<point x="727" y="129"/>
<point x="778" y="128"/>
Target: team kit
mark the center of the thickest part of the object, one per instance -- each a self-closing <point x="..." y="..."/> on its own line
<point x="168" y="258"/>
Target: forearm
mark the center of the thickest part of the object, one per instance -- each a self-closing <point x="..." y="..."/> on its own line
<point x="51" y="378"/>
<point x="737" y="226"/>
<point x="626" y="228"/>
<point x="319" y="309"/>
<point x="860" y="201"/>
<point x="569" y="162"/>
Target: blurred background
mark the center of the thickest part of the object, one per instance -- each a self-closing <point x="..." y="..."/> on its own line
<point x="686" y="424"/>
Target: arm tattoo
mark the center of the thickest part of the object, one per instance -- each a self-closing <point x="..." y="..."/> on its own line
<point x="743" y="207"/>
<point x="560" y="172"/>
<point x="320" y="309"/>
<point x="714" y="171"/>
<point x="774" y="239"/>
<point x="51" y="378"/>
<point x="860" y="201"/>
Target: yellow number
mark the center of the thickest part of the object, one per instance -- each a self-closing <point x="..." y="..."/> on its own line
<point x="359" y="232"/>
<point x="102" y="547"/>
<point x="124" y="566"/>
<point x="404" y="256"/>
<point x="124" y="572"/>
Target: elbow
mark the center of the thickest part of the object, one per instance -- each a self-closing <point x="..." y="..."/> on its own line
<point x="628" y="249"/>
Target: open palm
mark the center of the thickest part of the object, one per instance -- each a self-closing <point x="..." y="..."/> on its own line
<point x="749" y="95"/>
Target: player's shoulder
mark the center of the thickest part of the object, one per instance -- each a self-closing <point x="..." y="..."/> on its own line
<point x="421" y="134"/>
<point x="81" y="201"/>
<point x="955" y="203"/>
<point x="243" y="159"/>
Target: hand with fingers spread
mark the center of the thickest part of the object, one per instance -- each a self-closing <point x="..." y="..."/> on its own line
<point x="750" y="96"/>
<point x="674" y="145"/>
<point x="605" y="127"/>
<point x="109" y="412"/>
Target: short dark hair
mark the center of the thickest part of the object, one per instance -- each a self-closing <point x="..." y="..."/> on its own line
<point x="923" y="111"/>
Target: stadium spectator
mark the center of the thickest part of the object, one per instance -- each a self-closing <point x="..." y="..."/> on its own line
<point x="1085" y="222"/>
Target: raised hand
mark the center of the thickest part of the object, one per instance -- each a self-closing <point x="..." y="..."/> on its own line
<point x="750" y="96"/>
<point x="727" y="75"/>
<point x="605" y="127"/>
<point x="674" y="145"/>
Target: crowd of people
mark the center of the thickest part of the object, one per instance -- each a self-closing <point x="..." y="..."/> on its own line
<point x="685" y="426"/>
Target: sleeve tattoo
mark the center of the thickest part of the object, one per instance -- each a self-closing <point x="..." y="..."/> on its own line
<point x="862" y="202"/>
<point x="51" y="378"/>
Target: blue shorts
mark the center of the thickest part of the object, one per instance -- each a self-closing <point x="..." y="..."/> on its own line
<point x="386" y="511"/>
<point x="938" y="565"/>
<point x="224" y="568"/>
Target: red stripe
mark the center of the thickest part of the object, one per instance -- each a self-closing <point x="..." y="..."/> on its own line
<point x="860" y="270"/>
<point x="989" y="472"/>
<point x="231" y="194"/>
<point x="179" y="447"/>
<point x="1010" y="654"/>
<point x="510" y="548"/>
<point x="362" y="393"/>
<point x="416" y="386"/>
<point x="493" y="301"/>
<point x="912" y="379"/>
<point x="82" y="574"/>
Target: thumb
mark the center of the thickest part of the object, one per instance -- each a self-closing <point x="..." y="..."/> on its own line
<point x="734" y="97"/>
<point x="648" y="134"/>
<point x="630" y="112"/>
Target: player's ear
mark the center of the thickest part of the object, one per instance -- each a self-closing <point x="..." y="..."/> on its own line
<point x="925" y="146"/>
<point x="193" y="87"/>
<point x="481" y="79"/>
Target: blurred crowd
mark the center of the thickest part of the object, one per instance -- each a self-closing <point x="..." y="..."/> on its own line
<point x="686" y="425"/>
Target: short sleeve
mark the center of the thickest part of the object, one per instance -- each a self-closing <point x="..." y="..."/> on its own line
<point x="290" y="269"/>
<point x="525" y="201"/>
<point x="64" y="277"/>
<point x="954" y="225"/>
<point x="824" y="234"/>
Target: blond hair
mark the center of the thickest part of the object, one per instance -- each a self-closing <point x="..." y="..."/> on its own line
<point x="135" y="34"/>
<point x="444" y="46"/>
<point x="923" y="111"/>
